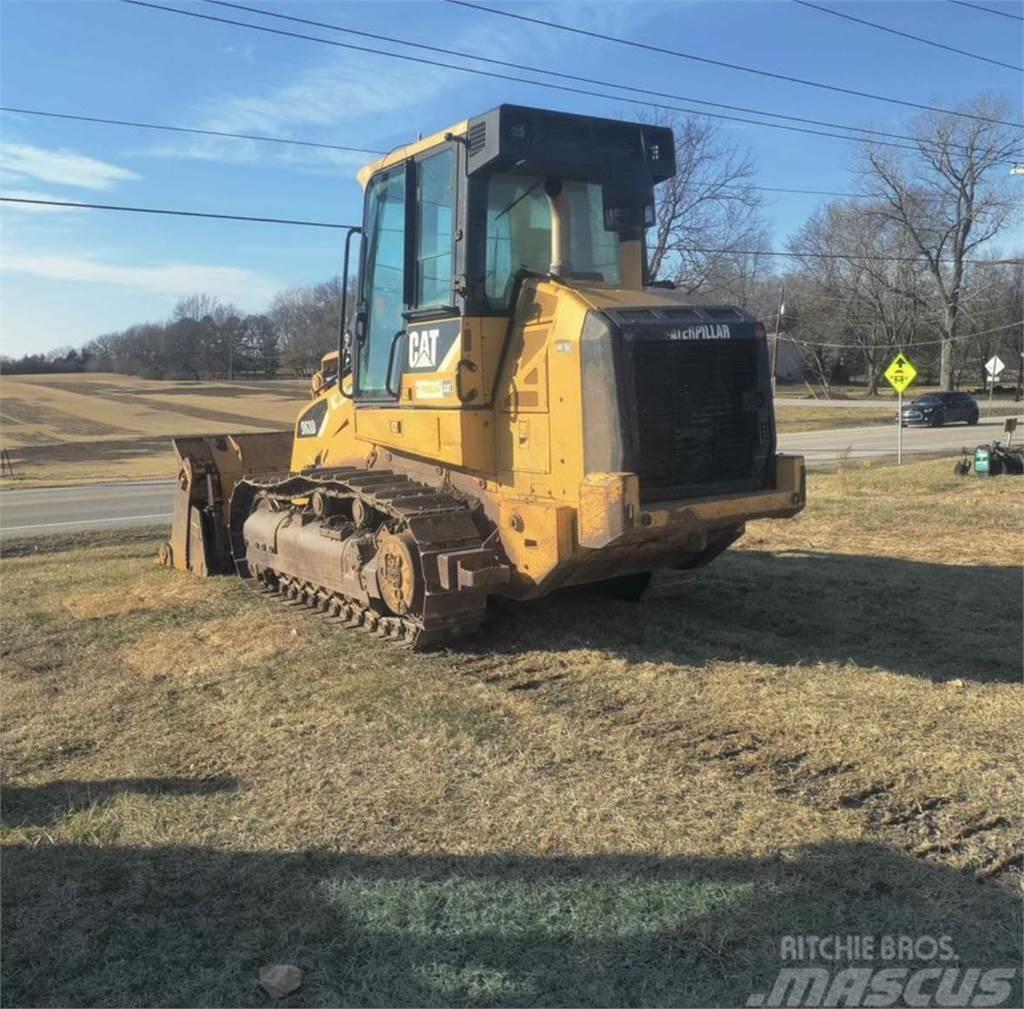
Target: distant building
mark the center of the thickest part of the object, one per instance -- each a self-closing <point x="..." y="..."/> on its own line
<point x="789" y="361"/>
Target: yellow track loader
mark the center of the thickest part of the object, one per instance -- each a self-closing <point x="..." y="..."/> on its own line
<point x="515" y="408"/>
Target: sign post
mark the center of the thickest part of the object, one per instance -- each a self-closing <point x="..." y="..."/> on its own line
<point x="900" y="374"/>
<point x="993" y="368"/>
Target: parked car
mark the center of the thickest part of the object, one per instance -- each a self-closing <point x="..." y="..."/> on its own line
<point x="938" y="408"/>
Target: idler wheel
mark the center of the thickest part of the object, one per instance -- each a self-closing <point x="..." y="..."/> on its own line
<point x="398" y="573"/>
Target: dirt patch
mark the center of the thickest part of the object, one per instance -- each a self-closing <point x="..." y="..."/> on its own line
<point x="110" y="602"/>
<point x="207" y="646"/>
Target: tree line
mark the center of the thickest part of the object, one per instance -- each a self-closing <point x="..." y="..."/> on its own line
<point x="208" y="338"/>
<point x="901" y="266"/>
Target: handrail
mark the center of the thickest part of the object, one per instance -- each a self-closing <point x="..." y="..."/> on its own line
<point x="344" y="311"/>
<point x="391" y="365"/>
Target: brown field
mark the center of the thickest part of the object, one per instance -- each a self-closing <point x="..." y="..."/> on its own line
<point x="591" y="803"/>
<point x="75" y="428"/>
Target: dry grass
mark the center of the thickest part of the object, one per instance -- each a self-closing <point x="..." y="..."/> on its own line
<point x="811" y="418"/>
<point x="593" y="803"/>
<point x="76" y="428"/>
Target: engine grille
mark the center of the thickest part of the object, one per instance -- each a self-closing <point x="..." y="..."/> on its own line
<point x="697" y="415"/>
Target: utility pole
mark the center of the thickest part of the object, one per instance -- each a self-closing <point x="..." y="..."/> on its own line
<point x="780" y="311"/>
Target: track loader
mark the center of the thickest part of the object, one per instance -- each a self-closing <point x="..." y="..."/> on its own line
<point x="515" y="407"/>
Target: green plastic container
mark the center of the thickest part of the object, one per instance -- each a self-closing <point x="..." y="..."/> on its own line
<point x="983" y="461"/>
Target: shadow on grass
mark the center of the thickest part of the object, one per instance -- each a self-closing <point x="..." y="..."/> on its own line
<point x="191" y="926"/>
<point x="929" y="620"/>
<point x="43" y="805"/>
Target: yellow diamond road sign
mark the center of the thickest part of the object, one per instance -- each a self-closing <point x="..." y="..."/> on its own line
<point x="901" y="373"/>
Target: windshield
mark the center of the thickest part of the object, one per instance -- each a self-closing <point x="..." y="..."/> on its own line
<point x="519" y="233"/>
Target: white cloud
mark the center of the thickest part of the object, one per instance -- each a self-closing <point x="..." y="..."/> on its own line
<point x="353" y="98"/>
<point x="341" y="90"/>
<point x="63" y="167"/>
<point x="178" y="279"/>
<point x="343" y="100"/>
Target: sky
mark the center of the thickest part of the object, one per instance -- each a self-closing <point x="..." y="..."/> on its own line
<point x="69" y="275"/>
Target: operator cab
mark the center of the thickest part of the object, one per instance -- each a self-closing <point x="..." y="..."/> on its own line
<point x="453" y="223"/>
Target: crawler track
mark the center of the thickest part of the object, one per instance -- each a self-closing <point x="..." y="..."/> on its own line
<point x="338" y="514"/>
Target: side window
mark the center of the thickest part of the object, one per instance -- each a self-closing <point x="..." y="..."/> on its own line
<point x="435" y="229"/>
<point x="383" y="280"/>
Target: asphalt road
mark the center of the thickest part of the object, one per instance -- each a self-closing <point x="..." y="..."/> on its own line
<point x="879" y="440"/>
<point x="118" y="506"/>
<point x="56" y="510"/>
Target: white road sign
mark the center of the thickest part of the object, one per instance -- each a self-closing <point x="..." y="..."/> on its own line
<point x="994" y="366"/>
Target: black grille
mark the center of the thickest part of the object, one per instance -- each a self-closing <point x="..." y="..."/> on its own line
<point x="477" y="137"/>
<point x="697" y="415"/>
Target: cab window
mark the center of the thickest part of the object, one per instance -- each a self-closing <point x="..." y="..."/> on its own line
<point x="519" y="233"/>
<point x="383" y="289"/>
<point x="435" y="229"/>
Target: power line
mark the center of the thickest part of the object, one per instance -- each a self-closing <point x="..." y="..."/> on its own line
<point x="185" y="129"/>
<point x="906" y="35"/>
<point x="326" y="224"/>
<point x="987" y="10"/>
<point x="175" y="213"/>
<point x="556" y="73"/>
<point x="811" y="192"/>
<point x="729" y="66"/>
<point x="506" y="77"/>
<point x="922" y="343"/>
<point x="335" y="147"/>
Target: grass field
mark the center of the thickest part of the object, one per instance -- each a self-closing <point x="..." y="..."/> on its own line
<point x="592" y="803"/>
<point x="80" y="428"/>
<point x="813" y="418"/>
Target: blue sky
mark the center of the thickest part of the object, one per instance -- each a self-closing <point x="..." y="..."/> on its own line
<point x="66" y="276"/>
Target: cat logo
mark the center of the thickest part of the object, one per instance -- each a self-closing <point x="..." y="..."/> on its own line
<point x="423" y="348"/>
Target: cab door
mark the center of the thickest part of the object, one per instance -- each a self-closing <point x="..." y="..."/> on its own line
<point x="384" y="288"/>
<point x="413" y="385"/>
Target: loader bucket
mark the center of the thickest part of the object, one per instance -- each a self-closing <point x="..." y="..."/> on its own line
<point x="208" y="469"/>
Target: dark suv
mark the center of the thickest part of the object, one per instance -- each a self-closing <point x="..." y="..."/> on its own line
<point x="938" y="408"/>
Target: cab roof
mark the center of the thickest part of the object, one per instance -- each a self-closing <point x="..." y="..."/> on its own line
<point x="406" y="151"/>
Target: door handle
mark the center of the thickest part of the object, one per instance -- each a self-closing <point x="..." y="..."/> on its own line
<point x="471" y="367"/>
<point x="391" y="365"/>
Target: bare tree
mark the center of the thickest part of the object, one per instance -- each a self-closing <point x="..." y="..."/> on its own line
<point x="745" y="280"/>
<point x="709" y="205"/>
<point x="307" y="319"/>
<point x="992" y="306"/>
<point x="861" y="283"/>
<point x="196" y="307"/>
<point x="949" y="196"/>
